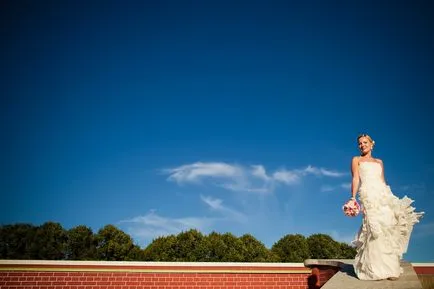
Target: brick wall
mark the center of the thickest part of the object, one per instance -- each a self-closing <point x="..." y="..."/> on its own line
<point x="30" y="274"/>
<point x="149" y="275"/>
<point x="321" y="274"/>
<point x="423" y="268"/>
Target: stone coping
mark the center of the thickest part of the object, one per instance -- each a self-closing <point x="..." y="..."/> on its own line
<point x="346" y="278"/>
<point x="327" y="262"/>
<point x="422" y="264"/>
<point x="146" y="263"/>
<point x="152" y="267"/>
<point x="175" y="267"/>
<point x="341" y="262"/>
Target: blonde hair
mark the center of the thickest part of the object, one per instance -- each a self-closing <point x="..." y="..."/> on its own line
<point x="367" y="136"/>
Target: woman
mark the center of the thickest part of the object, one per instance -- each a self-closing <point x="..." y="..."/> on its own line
<point x="387" y="220"/>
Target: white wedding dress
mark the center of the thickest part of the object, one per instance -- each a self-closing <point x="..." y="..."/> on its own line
<point x="387" y="224"/>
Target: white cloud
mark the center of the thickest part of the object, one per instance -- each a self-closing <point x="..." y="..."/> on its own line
<point x="346" y="186"/>
<point x="327" y="188"/>
<point x="242" y="187"/>
<point x="215" y="204"/>
<point x="322" y="172"/>
<point x="423" y="230"/>
<point x="195" y="172"/>
<point x="339" y="188"/>
<point x="287" y="177"/>
<point x="412" y="189"/>
<point x="153" y="225"/>
<point x="259" y="172"/>
<point x="344" y="238"/>
<point x="239" y="178"/>
<point x="150" y="226"/>
<point x="228" y="213"/>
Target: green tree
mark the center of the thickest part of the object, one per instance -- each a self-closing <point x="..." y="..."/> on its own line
<point x="322" y="246"/>
<point x="135" y="254"/>
<point x="16" y="241"/>
<point x="215" y="247"/>
<point x="49" y="242"/>
<point x="254" y="250"/>
<point x="161" y="249"/>
<point x="291" y="248"/>
<point x="81" y="244"/>
<point x="234" y="248"/>
<point x="347" y="251"/>
<point x="190" y="246"/>
<point x="113" y="244"/>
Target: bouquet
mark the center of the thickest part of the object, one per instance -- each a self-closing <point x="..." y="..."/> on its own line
<point x="351" y="208"/>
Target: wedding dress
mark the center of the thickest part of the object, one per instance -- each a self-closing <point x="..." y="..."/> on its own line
<point x="386" y="228"/>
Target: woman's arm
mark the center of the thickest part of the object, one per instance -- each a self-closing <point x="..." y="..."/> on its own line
<point x="356" y="179"/>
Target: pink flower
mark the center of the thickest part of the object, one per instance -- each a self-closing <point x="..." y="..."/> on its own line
<point x="351" y="208"/>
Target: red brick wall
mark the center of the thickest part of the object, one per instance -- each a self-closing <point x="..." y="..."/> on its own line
<point x="103" y="275"/>
<point x="320" y="275"/>
<point x="424" y="268"/>
<point x="16" y="274"/>
<point x="112" y="280"/>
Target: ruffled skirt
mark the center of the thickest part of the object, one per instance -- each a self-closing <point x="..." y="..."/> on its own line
<point x="385" y="232"/>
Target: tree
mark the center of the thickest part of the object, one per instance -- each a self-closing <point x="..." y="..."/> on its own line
<point x="323" y="246"/>
<point x="15" y="241"/>
<point x="189" y="246"/>
<point x="113" y="244"/>
<point x="234" y="248"/>
<point x="81" y="244"/>
<point x="49" y="242"/>
<point x="161" y="249"/>
<point x="254" y="250"/>
<point x="347" y="251"/>
<point x="135" y="254"/>
<point x="291" y="248"/>
<point x="216" y="247"/>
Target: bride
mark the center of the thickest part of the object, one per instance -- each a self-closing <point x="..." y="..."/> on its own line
<point x="387" y="220"/>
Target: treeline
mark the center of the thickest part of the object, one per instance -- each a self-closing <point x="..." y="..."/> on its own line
<point x="51" y="241"/>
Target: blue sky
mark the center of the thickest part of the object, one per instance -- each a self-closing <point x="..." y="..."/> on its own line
<point x="232" y="116"/>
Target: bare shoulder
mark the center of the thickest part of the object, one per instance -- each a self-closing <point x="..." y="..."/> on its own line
<point x="380" y="162"/>
<point x="355" y="166"/>
<point x="355" y="162"/>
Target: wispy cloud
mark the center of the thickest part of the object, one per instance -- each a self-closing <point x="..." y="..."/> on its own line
<point x="346" y="186"/>
<point x="327" y="188"/>
<point x="341" y="237"/>
<point x="153" y="225"/>
<point x="322" y="172"/>
<point x="337" y="188"/>
<point x="259" y="172"/>
<point x="240" y="178"/>
<point x="287" y="177"/>
<point x="424" y="230"/>
<point x="412" y="189"/>
<point x="197" y="171"/>
<point x="217" y="205"/>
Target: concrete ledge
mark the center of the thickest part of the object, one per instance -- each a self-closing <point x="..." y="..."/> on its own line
<point x="152" y="267"/>
<point x="327" y="262"/>
<point x="141" y="263"/>
<point x="345" y="276"/>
